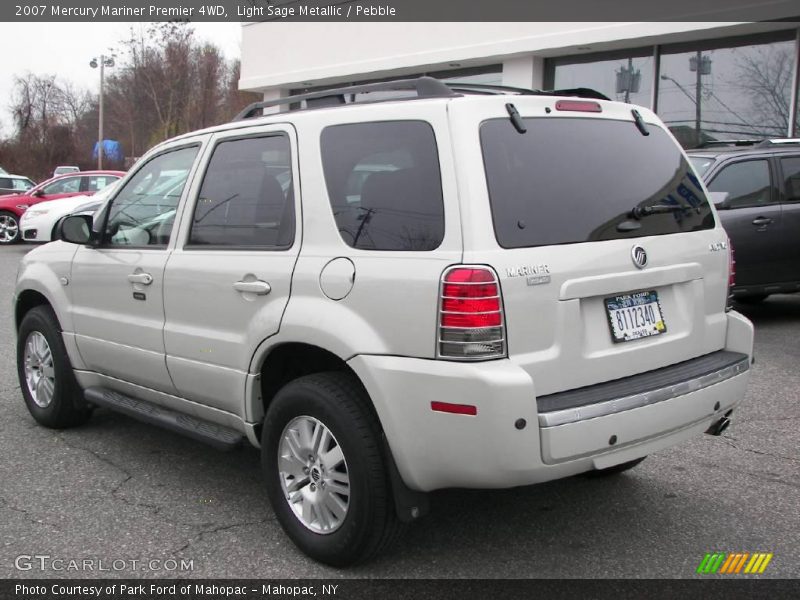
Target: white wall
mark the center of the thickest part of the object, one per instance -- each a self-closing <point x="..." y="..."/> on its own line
<point x="290" y="54"/>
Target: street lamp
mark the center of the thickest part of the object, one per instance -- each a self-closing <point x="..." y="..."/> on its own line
<point x="103" y="62"/>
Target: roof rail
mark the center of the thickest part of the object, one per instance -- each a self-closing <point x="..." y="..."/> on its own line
<point x="779" y="142"/>
<point x="710" y="143"/>
<point x="481" y="88"/>
<point x="424" y="87"/>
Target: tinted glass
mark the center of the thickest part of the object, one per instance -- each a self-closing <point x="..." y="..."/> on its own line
<point x="384" y="184"/>
<point x="747" y="183"/>
<point x="730" y="93"/>
<point x="701" y="164"/>
<point x="573" y="180"/>
<point x="6" y="183"/>
<point x="68" y="185"/>
<point x="791" y="178"/>
<point x="628" y="79"/>
<point x="246" y="199"/>
<point x="143" y="212"/>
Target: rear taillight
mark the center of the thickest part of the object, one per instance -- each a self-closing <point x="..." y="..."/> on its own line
<point x="471" y="322"/>
<point x="731" y="275"/>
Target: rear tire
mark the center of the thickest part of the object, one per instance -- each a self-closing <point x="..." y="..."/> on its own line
<point x="48" y="384"/>
<point x="326" y="476"/>
<point x="616" y="469"/>
<point x="9" y="228"/>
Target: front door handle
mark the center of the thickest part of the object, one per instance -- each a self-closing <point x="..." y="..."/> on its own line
<point x="143" y="278"/>
<point x="257" y="287"/>
<point x="762" y="221"/>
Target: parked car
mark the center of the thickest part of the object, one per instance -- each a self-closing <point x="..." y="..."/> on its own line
<point x="525" y="287"/>
<point x="38" y="223"/>
<point x="64" y="186"/>
<point x="761" y="212"/>
<point x="14" y="184"/>
<point x="64" y="169"/>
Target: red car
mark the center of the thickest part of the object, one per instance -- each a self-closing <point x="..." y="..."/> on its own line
<point x="63" y="186"/>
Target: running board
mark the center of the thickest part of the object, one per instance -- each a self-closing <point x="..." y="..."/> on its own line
<point x="222" y="438"/>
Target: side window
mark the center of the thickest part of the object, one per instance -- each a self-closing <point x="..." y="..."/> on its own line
<point x="5" y="183"/>
<point x="68" y="185"/>
<point x="747" y="183"/>
<point x="246" y="199"/>
<point x="95" y="183"/>
<point x="143" y="211"/>
<point x="384" y="184"/>
<point x="791" y="175"/>
<point x="22" y="185"/>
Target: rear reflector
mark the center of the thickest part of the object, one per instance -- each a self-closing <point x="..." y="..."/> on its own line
<point x="456" y="409"/>
<point x="579" y="106"/>
<point x="471" y="323"/>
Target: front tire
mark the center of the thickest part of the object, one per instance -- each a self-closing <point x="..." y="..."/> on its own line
<point x="326" y="476"/>
<point x="9" y="228"/>
<point x="46" y="379"/>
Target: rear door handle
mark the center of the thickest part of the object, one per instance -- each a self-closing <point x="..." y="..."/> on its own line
<point x="143" y="278"/>
<point x="762" y="221"/>
<point x="258" y="287"/>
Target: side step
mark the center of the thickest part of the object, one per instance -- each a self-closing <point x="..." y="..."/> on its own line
<point x="222" y="438"/>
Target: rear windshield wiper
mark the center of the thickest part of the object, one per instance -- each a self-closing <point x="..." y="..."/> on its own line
<point x="637" y="212"/>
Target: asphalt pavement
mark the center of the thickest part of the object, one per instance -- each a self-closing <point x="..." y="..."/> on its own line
<point x="132" y="500"/>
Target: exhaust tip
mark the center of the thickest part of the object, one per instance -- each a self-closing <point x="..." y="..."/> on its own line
<point x="719" y="427"/>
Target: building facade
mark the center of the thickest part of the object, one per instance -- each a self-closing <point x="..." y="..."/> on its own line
<point x="706" y="80"/>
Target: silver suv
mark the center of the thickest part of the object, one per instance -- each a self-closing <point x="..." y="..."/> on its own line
<point x="446" y="286"/>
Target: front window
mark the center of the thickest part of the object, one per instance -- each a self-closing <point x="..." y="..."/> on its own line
<point x="143" y="212"/>
<point x="68" y="185"/>
<point x="571" y="180"/>
<point x="746" y="183"/>
<point x="701" y="164"/>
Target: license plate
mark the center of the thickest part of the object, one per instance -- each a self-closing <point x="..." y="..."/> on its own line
<point x="635" y="316"/>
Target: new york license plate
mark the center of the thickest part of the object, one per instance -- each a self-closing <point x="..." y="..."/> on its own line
<point x="635" y="316"/>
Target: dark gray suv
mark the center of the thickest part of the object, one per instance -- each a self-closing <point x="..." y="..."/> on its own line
<point x="761" y="212"/>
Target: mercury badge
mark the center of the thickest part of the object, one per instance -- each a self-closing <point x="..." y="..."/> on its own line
<point x="639" y="256"/>
<point x="533" y="274"/>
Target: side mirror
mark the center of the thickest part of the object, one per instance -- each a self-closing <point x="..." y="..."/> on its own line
<point x="720" y="200"/>
<point x="38" y="193"/>
<point x="76" y="229"/>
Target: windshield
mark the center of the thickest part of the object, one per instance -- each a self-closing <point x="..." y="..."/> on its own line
<point x="571" y="180"/>
<point x="701" y="164"/>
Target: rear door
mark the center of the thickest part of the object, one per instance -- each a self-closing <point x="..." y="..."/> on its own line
<point x="790" y="199"/>
<point x="562" y="208"/>
<point x="753" y="219"/>
<point x="228" y="281"/>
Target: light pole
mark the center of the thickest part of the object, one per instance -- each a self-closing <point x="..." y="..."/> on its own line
<point x="103" y="62"/>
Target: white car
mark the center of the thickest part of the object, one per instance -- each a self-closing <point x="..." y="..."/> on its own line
<point x="457" y="289"/>
<point x="38" y="223"/>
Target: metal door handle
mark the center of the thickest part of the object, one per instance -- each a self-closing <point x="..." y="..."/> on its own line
<point x="258" y="287"/>
<point x="143" y="278"/>
<point x="761" y="221"/>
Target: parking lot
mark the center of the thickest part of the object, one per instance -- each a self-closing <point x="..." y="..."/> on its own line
<point x="118" y="490"/>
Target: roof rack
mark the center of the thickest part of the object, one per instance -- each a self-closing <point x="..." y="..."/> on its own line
<point x="423" y="87"/>
<point x="710" y="143"/>
<point x="779" y="142"/>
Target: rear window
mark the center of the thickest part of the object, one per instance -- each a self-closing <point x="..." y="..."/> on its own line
<point x="384" y="184"/>
<point x="571" y="180"/>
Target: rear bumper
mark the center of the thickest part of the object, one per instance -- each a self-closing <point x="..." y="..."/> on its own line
<point x="489" y="450"/>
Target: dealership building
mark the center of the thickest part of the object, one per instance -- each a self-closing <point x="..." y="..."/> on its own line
<point x="706" y="80"/>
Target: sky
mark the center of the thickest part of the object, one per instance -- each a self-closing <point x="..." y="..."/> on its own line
<point x="65" y="49"/>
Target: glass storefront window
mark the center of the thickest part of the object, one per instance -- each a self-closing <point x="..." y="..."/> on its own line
<point x="628" y="79"/>
<point x="733" y="93"/>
